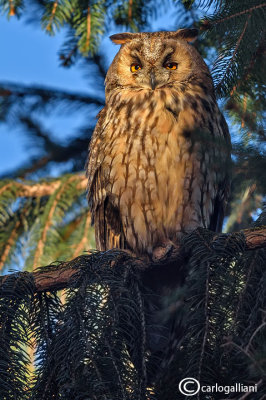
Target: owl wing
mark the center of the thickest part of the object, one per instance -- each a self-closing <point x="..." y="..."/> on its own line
<point x="105" y="215"/>
<point x="220" y="201"/>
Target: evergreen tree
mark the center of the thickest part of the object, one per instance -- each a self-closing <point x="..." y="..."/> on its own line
<point x="81" y="340"/>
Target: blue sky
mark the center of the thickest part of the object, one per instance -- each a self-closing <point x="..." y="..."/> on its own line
<point x="30" y="56"/>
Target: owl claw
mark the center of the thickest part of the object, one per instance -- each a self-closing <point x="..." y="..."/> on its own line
<point x="162" y="252"/>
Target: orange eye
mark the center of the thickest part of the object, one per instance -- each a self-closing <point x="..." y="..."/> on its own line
<point x="135" y="67"/>
<point x="170" y="65"/>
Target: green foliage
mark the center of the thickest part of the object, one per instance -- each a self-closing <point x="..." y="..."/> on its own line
<point x="14" y="321"/>
<point x="89" y="353"/>
<point x="95" y="346"/>
<point x="223" y="317"/>
<point x="238" y="28"/>
<point x="43" y="224"/>
<point x="85" y="20"/>
<point x="135" y="14"/>
<point x="11" y="8"/>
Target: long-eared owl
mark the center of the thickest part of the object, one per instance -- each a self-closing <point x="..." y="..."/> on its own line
<point x="159" y="154"/>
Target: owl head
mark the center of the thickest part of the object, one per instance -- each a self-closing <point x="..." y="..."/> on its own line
<point x="152" y="61"/>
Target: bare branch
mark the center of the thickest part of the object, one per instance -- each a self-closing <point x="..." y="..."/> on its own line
<point x="255" y="238"/>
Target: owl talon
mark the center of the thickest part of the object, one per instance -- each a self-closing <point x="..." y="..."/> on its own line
<point x="162" y="252"/>
<point x="157" y="168"/>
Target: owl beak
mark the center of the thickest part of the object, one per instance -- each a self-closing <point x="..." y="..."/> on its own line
<point x="153" y="80"/>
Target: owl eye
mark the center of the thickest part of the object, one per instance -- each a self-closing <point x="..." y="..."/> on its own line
<point x="170" y="65"/>
<point x="135" y="67"/>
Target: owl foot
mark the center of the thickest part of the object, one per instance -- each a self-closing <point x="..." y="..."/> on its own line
<point x="161" y="253"/>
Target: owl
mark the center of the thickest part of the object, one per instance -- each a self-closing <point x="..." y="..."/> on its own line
<point x="157" y="165"/>
<point x="159" y="156"/>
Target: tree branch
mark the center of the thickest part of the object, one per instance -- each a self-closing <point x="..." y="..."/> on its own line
<point x="207" y="24"/>
<point x="255" y="238"/>
<point x="42" y="189"/>
<point x="232" y="59"/>
<point x="59" y="277"/>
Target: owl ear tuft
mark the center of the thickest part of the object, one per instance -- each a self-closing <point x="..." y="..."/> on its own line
<point x="187" y="34"/>
<point x="122" y="38"/>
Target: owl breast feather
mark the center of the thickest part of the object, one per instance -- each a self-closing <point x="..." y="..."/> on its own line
<point x="157" y="174"/>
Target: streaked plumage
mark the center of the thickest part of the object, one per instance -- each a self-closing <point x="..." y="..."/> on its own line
<point x="158" y="158"/>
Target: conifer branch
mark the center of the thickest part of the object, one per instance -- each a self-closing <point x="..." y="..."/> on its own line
<point x="67" y="59"/>
<point x="130" y="4"/>
<point x="41" y="163"/>
<point x="259" y="51"/>
<point x="206" y="24"/>
<point x="59" y="277"/>
<point x="247" y="283"/>
<point x="84" y="241"/>
<point x="12" y="10"/>
<point x="255" y="238"/>
<point x="49" y="26"/>
<point x="42" y="189"/>
<point x="9" y="244"/>
<point x="88" y="34"/>
<point x="72" y="226"/>
<point x="48" y="223"/>
<point x="234" y="53"/>
<point x="244" y="111"/>
<point x="206" y="325"/>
